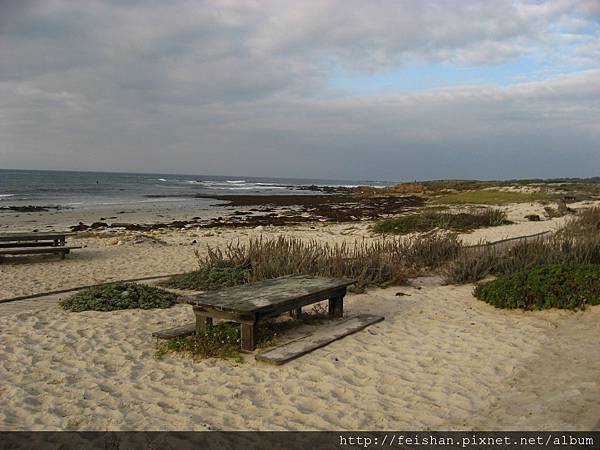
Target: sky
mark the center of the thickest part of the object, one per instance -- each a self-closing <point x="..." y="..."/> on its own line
<point x="333" y="89"/>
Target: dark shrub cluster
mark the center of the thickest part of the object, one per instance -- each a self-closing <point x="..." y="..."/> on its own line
<point x="209" y="278"/>
<point x="430" y="220"/>
<point x="115" y="296"/>
<point x="565" y="286"/>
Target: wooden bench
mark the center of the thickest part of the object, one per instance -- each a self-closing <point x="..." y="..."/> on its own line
<point x="34" y="243"/>
<point x="32" y="239"/>
<point x="251" y="303"/>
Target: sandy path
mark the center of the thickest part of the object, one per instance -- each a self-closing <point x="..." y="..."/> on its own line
<point x="440" y="360"/>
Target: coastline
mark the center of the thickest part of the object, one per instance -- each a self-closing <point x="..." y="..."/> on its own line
<point x="213" y="211"/>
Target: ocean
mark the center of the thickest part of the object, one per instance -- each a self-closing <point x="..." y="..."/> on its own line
<point x="69" y="189"/>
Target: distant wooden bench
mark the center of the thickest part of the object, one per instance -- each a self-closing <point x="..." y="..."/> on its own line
<point x="34" y="243"/>
<point x="251" y="303"/>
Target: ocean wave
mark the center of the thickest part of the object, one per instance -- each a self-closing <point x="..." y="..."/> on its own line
<point x="162" y="179"/>
<point x="3" y="196"/>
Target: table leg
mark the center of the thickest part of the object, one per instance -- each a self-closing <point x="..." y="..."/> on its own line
<point x="336" y="306"/>
<point x="249" y="336"/>
<point x="202" y="322"/>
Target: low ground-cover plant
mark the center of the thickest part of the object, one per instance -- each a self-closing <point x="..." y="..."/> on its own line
<point x="382" y="262"/>
<point x="209" y="278"/>
<point x="430" y="220"/>
<point x="216" y="341"/>
<point x="120" y="295"/>
<point x="566" y="286"/>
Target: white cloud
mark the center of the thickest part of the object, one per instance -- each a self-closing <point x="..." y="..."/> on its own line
<point x="241" y="87"/>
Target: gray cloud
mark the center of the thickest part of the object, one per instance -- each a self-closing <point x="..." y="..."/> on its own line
<point x="239" y="87"/>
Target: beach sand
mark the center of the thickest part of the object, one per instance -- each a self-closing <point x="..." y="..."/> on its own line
<point x="440" y="360"/>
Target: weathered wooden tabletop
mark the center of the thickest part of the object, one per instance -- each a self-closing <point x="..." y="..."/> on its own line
<point x="267" y="294"/>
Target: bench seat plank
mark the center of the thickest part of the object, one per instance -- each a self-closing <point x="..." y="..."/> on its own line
<point x="35" y="250"/>
<point x="28" y="244"/>
<point x="322" y="337"/>
<point x="182" y="331"/>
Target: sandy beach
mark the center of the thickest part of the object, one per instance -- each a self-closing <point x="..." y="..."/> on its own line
<point x="441" y="359"/>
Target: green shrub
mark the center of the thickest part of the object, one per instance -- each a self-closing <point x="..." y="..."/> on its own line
<point x="430" y="220"/>
<point x="115" y="296"/>
<point x="208" y="278"/>
<point x="565" y="286"/>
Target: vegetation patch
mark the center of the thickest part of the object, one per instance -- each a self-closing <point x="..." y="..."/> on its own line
<point x="115" y="296"/>
<point x="490" y="197"/>
<point x="216" y="341"/>
<point x="578" y="242"/>
<point x="208" y="278"/>
<point x="585" y="224"/>
<point x="565" y="286"/>
<point x="431" y="220"/>
<point x="381" y="263"/>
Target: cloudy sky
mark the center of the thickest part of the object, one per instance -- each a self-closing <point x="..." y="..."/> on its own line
<point x="348" y="89"/>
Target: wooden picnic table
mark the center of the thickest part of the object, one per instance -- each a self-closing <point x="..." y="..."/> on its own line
<point x="251" y="303"/>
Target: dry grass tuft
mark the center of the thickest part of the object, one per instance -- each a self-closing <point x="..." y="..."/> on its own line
<point x="383" y="262"/>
